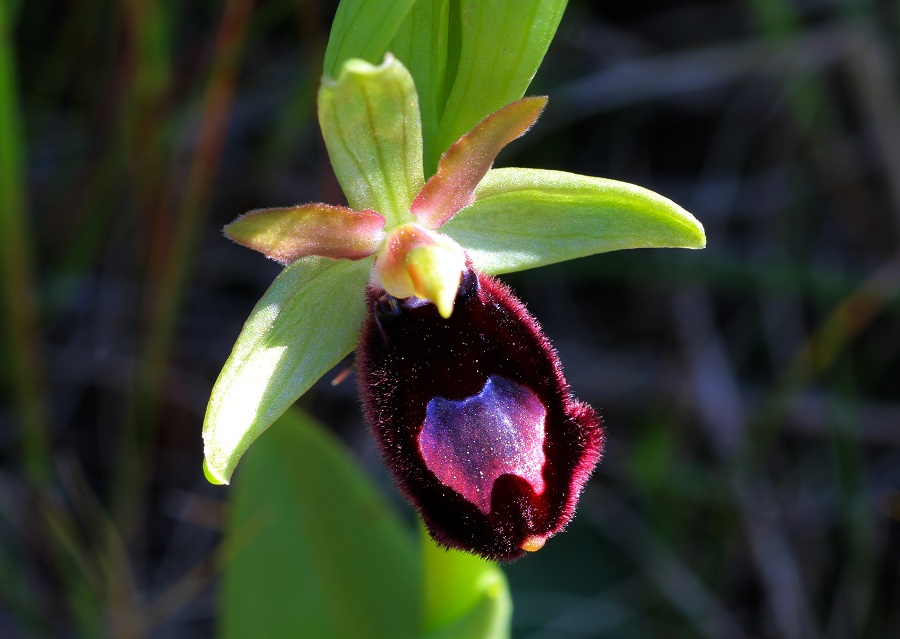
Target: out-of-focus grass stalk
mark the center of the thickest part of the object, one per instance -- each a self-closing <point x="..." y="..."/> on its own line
<point x="777" y="20"/>
<point x="19" y="299"/>
<point x="195" y="205"/>
<point x="822" y="352"/>
<point x="146" y="28"/>
<point x="146" y="70"/>
<point x="299" y="114"/>
<point x="167" y="296"/>
<point x="833" y="337"/>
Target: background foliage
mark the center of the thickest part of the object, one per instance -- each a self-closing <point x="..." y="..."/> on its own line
<point x="751" y="485"/>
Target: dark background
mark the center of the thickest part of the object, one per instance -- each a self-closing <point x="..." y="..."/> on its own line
<point x="751" y="484"/>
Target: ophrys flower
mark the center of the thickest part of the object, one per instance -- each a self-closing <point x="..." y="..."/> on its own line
<point x="408" y="251"/>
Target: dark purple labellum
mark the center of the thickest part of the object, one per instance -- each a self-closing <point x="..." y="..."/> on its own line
<point x="475" y="419"/>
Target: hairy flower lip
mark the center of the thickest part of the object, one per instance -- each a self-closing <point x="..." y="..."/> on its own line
<point x="408" y="354"/>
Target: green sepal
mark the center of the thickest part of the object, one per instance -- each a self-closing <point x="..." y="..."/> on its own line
<point x="372" y="129"/>
<point x="523" y="218"/>
<point x="313" y="550"/>
<point x="303" y="326"/>
<point x="465" y="595"/>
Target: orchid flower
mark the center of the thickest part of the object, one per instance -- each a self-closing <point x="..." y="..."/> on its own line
<point x="463" y="393"/>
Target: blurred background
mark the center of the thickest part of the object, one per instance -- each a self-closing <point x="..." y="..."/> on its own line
<point x="751" y="391"/>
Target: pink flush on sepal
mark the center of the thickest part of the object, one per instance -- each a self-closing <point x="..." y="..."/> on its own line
<point x="287" y="234"/>
<point x="475" y="418"/>
<point x="468" y="160"/>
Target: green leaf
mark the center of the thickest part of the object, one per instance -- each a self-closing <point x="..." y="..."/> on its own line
<point x="363" y="29"/>
<point x="523" y="218"/>
<point x="305" y="323"/>
<point x="501" y="46"/>
<point x="371" y="125"/>
<point x="465" y="596"/>
<point x="468" y="159"/>
<point x="314" y="549"/>
<point x="421" y="44"/>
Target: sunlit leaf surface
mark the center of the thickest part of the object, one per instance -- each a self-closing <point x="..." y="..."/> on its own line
<point x="523" y="218"/>
<point x="305" y="323"/>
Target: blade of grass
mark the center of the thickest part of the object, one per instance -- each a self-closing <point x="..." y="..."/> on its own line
<point x="854" y="597"/>
<point x="204" y="164"/>
<point x="18" y="292"/>
<point x="168" y="294"/>
<point x="141" y="143"/>
<point x="726" y="419"/>
<point x="673" y="577"/>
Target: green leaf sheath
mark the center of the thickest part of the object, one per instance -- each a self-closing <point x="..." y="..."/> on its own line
<point x="421" y="44"/>
<point x="501" y="46"/>
<point x="523" y="218"/>
<point x="313" y="549"/>
<point x="305" y="323"/>
<point x="465" y="595"/>
<point x="370" y="121"/>
<point x="363" y="29"/>
<point x="468" y="57"/>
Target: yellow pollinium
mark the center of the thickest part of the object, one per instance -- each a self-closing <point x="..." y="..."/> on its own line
<point x="416" y="262"/>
